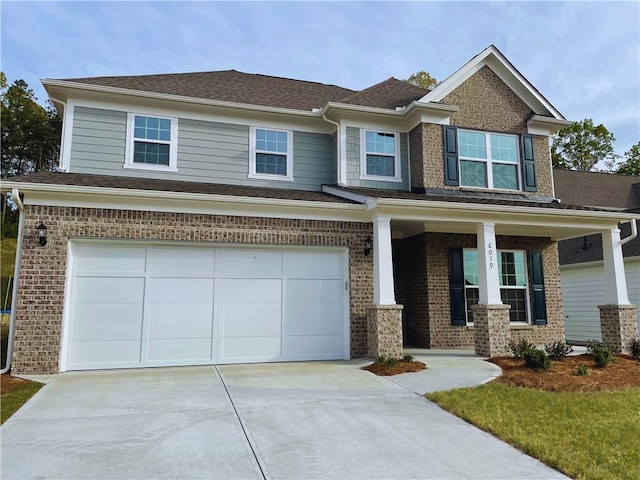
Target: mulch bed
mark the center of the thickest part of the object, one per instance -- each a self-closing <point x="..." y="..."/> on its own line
<point x="621" y="374"/>
<point x="400" y="367"/>
<point x="9" y="383"/>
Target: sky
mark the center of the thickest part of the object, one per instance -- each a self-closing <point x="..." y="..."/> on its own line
<point x="584" y="57"/>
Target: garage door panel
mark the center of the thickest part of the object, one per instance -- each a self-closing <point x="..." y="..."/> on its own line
<point x="180" y="290"/>
<point x="108" y="290"/>
<point x="179" y="351"/>
<point x="180" y="262"/>
<point x="180" y="321"/>
<point x="251" y="349"/>
<point x="308" y="290"/>
<point x="251" y="320"/>
<point x="316" y="347"/>
<point x="251" y="291"/>
<point x="107" y="322"/>
<point x="313" y="319"/>
<point x="314" y="265"/>
<point x="101" y="354"/>
<point x="110" y="259"/>
<point x="250" y="263"/>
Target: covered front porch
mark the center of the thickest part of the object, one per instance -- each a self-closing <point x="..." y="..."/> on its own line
<point x="469" y="273"/>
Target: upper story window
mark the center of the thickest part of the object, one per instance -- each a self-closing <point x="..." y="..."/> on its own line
<point x="271" y="154"/>
<point x="380" y="156"/>
<point x="489" y="160"/>
<point x="513" y="283"/>
<point x="151" y="142"/>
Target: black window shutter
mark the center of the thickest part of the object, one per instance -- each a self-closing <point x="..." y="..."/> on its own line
<point x="538" y="300"/>
<point x="451" y="168"/>
<point x="456" y="287"/>
<point x="528" y="164"/>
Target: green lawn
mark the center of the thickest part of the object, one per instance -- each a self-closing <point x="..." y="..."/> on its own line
<point x="584" y="435"/>
<point x="10" y="402"/>
<point x="7" y="256"/>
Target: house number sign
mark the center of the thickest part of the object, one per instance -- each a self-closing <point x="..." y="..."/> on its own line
<point x="490" y="254"/>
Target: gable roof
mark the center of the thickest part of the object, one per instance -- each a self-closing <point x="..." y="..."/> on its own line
<point x="230" y="86"/>
<point x="595" y="189"/>
<point x="494" y="59"/>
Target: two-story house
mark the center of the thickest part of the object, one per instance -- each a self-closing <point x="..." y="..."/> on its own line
<point x="225" y="217"/>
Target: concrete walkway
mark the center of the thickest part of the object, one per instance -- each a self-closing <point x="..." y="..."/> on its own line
<point x="265" y="421"/>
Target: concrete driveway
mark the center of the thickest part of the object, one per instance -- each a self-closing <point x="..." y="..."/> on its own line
<point x="281" y="421"/>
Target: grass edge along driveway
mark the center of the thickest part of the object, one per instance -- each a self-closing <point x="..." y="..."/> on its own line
<point x="10" y="402"/>
<point x="584" y="435"/>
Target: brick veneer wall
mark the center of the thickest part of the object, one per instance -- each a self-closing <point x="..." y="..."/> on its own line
<point x="619" y="326"/>
<point x="385" y="331"/>
<point x="488" y="104"/>
<point x="443" y="335"/>
<point x="41" y="286"/>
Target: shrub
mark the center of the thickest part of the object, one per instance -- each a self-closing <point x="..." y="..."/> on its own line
<point x="635" y="348"/>
<point x="407" y="358"/>
<point x="558" y="350"/>
<point x="581" y="371"/>
<point x="537" y="359"/>
<point x="391" y="362"/>
<point x="602" y="353"/>
<point x="519" y="348"/>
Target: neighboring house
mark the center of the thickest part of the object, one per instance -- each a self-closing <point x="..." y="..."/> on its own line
<point x="581" y="259"/>
<point x="225" y="217"/>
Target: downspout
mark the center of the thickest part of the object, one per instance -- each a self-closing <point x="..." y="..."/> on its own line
<point x="338" y="142"/>
<point x="15" y="196"/>
<point x="634" y="232"/>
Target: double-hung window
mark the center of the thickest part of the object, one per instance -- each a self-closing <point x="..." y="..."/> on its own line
<point x="380" y="156"/>
<point x="271" y="154"/>
<point x="489" y="160"/>
<point x="512" y="271"/>
<point x="151" y="142"/>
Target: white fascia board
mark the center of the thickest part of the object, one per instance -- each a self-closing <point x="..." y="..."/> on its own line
<point x="370" y="202"/>
<point x="539" y="125"/>
<point x="185" y="202"/>
<point x="492" y="57"/>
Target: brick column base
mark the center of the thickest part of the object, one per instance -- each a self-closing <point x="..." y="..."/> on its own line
<point x="384" y="330"/>
<point x="492" y="329"/>
<point x="619" y="326"/>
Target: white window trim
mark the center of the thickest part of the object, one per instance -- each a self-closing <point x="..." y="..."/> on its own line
<point x="489" y="161"/>
<point x="363" y="157"/>
<point x="510" y="287"/>
<point x="173" y="145"/>
<point x="253" y="151"/>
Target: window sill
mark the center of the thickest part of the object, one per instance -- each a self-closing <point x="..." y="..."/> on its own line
<point x="380" y="179"/>
<point x="278" y="178"/>
<point x="153" y="168"/>
<point x="484" y="190"/>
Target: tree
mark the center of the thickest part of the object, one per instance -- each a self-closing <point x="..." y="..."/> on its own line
<point x="581" y="145"/>
<point x="631" y="164"/>
<point x="422" y="79"/>
<point x="30" y="133"/>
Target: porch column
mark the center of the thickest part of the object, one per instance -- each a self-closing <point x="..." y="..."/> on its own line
<point x="384" y="319"/>
<point x="490" y="317"/>
<point x="383" y="292"/>
<point x="617" y="317"/>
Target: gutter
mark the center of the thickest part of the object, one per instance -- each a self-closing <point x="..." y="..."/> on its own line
<point x="15" y="196"/>
<point x="634" y="232"/>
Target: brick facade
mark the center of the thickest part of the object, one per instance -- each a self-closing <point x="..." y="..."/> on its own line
<point x="492" y="331"/>
<point x="487" y="104"/>
<point x="385" y="331"/>
<point x="41" y="290"/>
<point x="619" y="326"/>
<point x="429" y="325"/>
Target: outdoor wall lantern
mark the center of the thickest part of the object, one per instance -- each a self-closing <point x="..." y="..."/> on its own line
<point x="367" y="246"/>
<point x="42" y="234"/>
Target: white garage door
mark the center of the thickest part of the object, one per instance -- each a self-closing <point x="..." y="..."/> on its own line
<point x="134" y="306"/>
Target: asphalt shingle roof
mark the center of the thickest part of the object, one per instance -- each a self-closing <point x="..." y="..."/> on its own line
<point x="597" y="189"/>
<point x="263" y="90"/>
<point x="111" y="181"/>
<point x="230" y="86"/>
